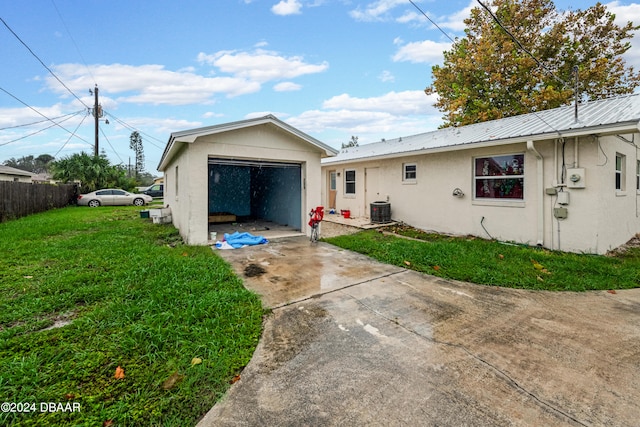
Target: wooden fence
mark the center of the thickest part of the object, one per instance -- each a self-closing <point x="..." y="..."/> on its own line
<point x="18" y="199"/>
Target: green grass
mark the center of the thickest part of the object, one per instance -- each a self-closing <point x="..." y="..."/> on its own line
<point x="136" y="298"/>
<point x="493" y="263"/>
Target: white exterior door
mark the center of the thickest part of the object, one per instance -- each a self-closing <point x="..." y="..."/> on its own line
<point x="371" y="188"/>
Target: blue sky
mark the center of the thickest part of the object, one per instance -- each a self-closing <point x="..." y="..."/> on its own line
<point x="331" y="68"/>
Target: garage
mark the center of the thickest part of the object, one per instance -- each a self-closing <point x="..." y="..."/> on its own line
<point x="259" y="170"/>
<point x="250" y="191"/>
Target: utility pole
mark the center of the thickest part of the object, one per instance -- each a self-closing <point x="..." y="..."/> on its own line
<point x="96" y="116"/>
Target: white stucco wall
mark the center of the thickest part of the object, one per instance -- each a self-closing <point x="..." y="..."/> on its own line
<point x="265" y="143"/>
<point x="15" y="178"/>
<point x="599" y="218"/>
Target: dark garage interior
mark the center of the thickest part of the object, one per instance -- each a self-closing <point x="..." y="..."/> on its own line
<point x="256" y="190"/>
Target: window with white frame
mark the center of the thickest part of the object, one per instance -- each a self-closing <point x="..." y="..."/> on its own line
<point x="637" y="174"/>
<point x="499" y="177"/>
<point x="620" y="171"/>
<point x="409" y="172"/>
<point x="350" y="182"/>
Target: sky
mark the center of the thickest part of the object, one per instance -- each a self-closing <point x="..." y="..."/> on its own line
<point x="331" y="68"/>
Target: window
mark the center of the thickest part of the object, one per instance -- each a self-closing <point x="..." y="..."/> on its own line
<point x="350" y="182"/>
<point x="176" y="195"/>
<point x="332" y="181"/>
<point x="638" y="175"/>
<point x="409" y="172"/>
<point x="499" y="177"/>
<point x="620" y="165"/>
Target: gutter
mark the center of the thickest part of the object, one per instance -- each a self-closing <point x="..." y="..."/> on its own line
<point x="540" y="200"/>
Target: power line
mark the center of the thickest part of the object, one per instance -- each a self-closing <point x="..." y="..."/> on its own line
<point x="430" y="20"/>
<point x="73" y="40"/>
<point x="41" y="121"/>
<point x="128" y="126"/>
<point x="524" y="49"/>
<point x="112" y="149"/>
<point x="39" y="113"/>
<point x="43" y="64"/>
<point x="70" y="136"/>
<point x="45" y="128"/>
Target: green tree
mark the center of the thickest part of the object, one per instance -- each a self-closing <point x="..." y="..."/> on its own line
<point x="486" y="75"/>
<point x="38" y="164"/>
<point x="135" y="143"/>
<point x="92" y="172"/>
<point x="352" y="143"/>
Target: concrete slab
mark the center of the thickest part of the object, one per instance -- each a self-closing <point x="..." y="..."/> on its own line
<point x="390" y="347"/>
<point x="293" y="269"/>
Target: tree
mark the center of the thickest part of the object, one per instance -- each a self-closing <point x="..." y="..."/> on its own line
<point x="93" y="172"/>
<point x="352" y="143"/>
<point x="135" y="143"/>
<point x="39" y="164"/>
<point x="486" y="75"/>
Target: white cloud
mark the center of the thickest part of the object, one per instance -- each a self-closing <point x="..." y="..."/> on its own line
<point x="386" y="76"/>
<point x="410" y="16"/>
<point x="258" y="114"/>
<point x="287" y="87"/>
<point x="376" y="11"/>
<point x="287" y="7"/>
<point x="210" y="114"/>
<point x="426" y="51"/>
<point x="150" y="84"/>
<point x="623" y="15"/>
<point x="455" y="21"/>
<point x="397" y="103"/>
<point x="261" y="65"/>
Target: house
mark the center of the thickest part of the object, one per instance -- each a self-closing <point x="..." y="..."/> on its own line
<point x="565" y="179"/>
<point x="7" y="173"/>
<point x="256" y="168"/>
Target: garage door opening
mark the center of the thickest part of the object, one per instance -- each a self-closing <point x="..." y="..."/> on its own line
<point x="255" y="195"/>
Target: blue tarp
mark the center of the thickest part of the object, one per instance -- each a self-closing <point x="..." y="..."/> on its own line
<point x="238" y="240"/>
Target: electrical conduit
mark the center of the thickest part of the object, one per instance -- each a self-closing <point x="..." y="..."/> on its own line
<point x="540" y="200"/>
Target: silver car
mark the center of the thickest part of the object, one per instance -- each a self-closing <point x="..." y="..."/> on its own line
<point x="113" y="197"/>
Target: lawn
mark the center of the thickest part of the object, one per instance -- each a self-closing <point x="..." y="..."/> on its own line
<point x="154" y="330"/>
<point x="489" y="262"/>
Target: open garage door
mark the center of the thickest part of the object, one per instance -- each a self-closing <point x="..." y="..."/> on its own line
<point x="251" y="190"/>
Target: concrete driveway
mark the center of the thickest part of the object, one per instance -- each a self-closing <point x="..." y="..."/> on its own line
<point x="354" y="342"/>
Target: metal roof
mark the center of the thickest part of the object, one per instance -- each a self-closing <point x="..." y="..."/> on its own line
<point x="595" y="117"/>
<point x="8" y="170"/>
<point x="191" y="135"/>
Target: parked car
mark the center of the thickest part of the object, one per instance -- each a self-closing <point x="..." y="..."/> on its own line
<point x="156" y="190"/>
<point x="113" y="197"/>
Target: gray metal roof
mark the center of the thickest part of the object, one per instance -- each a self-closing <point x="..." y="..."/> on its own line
<point x="608" y="115"/>
<point x="8" y="170"/>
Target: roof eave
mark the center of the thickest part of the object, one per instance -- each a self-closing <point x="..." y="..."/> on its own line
<point x="190" y="136"/>
<point x="601" y="130"/>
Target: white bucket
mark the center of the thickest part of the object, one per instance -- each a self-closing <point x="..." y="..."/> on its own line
<point x="214" y="235"/>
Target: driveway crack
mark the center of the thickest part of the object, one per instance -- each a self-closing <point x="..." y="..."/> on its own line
<point x="502" y="374"/>
<point x="331" y="291"/>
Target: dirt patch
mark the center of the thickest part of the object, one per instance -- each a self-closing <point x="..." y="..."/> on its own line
<point x="254" y="270"/>
<point x="332" y="229"/>
<point x="291" y="332"/>
<point x="622" y="249"/>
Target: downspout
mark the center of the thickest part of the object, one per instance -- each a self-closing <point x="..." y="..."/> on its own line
<point x="540" y="199"/>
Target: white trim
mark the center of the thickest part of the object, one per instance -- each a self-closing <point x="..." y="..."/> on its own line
<point x="355" y="183"/>
<point x="475" y="177"/>
<point x="406" y="180"/>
